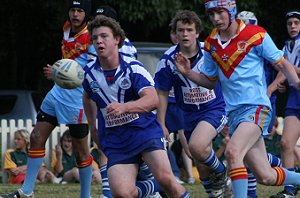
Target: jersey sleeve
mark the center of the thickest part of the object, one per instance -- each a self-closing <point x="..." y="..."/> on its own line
<point x="269" y="51"/>
<point x="8" y="162"/>
<point x="163" y="76"/>
<point x="209" y="68"/>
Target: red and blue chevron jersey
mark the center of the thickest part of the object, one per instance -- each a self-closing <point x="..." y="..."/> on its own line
<point x="228" y="58"/>
<point x="239" y="64"/>
<point x="73" y="47"/>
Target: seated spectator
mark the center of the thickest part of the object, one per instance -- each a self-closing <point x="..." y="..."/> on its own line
<point x="15" y="163"/>
<point x="64" y="161"/>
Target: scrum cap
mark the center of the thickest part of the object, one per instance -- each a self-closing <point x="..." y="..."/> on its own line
<point x="295" y="14"/>
<point x="83" y="4"/>
<point x="247" y="17"/>
<point x="106" y="11"/>
<point x="228" y="5"/>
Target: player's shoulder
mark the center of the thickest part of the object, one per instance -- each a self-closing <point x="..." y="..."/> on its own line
<point x="254" y="29"/>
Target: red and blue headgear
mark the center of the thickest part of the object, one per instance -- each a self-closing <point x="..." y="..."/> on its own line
<point x="228" y="5"/>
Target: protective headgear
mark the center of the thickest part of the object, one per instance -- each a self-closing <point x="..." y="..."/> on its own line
<point x="86" y="5"/>
<point x="292" y="14"/>
<point x="247" y="17"/>
<point x="228" y="5"/>
<point x="106" y="11"/>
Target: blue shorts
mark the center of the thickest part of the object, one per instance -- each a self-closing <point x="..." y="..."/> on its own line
<point x="63" y="113"/>
<point x="216" y="118"/>
<point x="273" y="117"/>
<point x="259" y="115"/>
<point x="135" y="155"/>
<point x="174" y="118"/>
<point x="292" y="112"/>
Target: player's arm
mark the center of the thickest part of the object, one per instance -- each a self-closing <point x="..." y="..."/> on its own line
<point x="147" y="102"/>
<point x="289" y="71"/>
<point x="279" y="80"/>
<point x="90" y="109"/>
<point x="162" y="109"/>
<point x="183" y="66"/>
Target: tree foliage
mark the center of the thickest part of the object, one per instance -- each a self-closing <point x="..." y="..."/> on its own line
<point x="31" y="30"/>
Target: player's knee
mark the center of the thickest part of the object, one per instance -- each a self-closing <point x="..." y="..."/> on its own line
<point x="79" y="131"/>
<point x="231" y="154"/>
<point x="286" y="145"/>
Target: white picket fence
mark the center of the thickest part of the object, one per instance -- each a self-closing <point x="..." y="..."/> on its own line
<point x="7" y="129"/>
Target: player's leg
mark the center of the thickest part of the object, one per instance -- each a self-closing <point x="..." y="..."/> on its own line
<point x="79" y="133"/>
<point x="291" y="133"/>
<point x="158" y="162"/>
<point x="122" y="180"/>
<point x="103" y="171"/>
<point x="201" y="150"/>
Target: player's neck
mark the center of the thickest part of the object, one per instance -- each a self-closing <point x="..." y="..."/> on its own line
<point x="76" y="29"/>
<point x="189" y="51"/>
<point x="230" y="32"/>
<point x="110" y="62"/>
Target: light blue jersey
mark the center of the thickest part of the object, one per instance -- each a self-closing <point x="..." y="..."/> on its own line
<point x="239" y="65"/>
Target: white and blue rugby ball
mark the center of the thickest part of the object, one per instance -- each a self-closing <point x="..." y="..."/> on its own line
<point x="67" y="73"/>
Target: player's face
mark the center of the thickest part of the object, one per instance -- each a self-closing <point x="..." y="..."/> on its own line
<point x="104" y="42"/>
<point x="219" y="18"/>
<point x="186" y="34"/>
<point x="293" y="26"/>
<point x="76" y="16"/>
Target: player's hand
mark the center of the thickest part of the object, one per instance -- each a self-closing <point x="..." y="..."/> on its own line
<point x="166" y="133"/>
<point x="115" y="109"/>
<point x="282" y="87"/>
<point x="182" y="64"/>
<point x="48" y="72"/>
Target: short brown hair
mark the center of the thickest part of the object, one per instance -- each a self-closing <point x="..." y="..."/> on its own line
<point x="186" y="16"/>
<point x="102" y="20"/>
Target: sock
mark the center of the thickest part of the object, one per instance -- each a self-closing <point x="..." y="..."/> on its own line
<point x="105" y="185"/>
<point x="146" y="188"/>
<point x="185" y="195"/>
<point x="287" y="177"/>
<point x="239" y="180"/>
<point x="251" y="184"/>
<point x="85" y="176"/>
<point x="273" y="160"/>
<point x="146" y="170"/>
<point x="207" y="185"/>
<point x="214" y="163"/>
<point x="34" y="163"/>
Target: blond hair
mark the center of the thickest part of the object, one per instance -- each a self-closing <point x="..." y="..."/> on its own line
<point x="24" y="134"/>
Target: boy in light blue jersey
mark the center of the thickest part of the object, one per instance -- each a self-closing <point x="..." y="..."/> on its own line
<point x="120" y="92"/>
<point x="64" y="106"/>
<point x="235" y="54"/>
<point x="203" y="109"/>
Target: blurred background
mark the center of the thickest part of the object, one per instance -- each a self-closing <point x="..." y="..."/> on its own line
<point x="31" y="31"/>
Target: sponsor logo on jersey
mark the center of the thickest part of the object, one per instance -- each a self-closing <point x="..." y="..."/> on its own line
<point x="94" y="86"/>
<point x="125" y="83"/>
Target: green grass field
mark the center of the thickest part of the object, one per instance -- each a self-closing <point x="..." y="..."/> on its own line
<point x="72" y="190"/>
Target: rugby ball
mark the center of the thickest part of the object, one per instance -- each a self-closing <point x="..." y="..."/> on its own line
<point x="67" y="73"/>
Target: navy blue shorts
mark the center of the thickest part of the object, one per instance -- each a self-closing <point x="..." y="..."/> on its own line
<point x="135" y="155"/>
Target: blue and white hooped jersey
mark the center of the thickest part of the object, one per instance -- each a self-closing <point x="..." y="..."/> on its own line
<point x="129" y="80"/>
<point x="293" y="56"/>
<point x="128" y="49"/>
<point x="239" y="65"/>
<point x="189" y="96"/>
